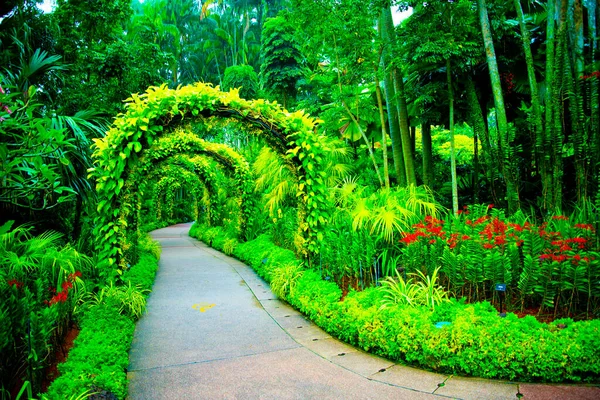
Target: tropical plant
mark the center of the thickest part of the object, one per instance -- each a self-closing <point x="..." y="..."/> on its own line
<point x="282" y="61"/>
<point x="284" y="279"/>
<point x="130" y="300"/>
<point x="244" y="78"/>
<point x="422" y="292"/>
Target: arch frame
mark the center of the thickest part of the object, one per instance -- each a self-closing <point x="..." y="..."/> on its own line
<point x="292" y="135"/>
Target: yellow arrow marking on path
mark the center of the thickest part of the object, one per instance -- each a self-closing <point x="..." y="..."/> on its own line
<point x="202" y="307"/>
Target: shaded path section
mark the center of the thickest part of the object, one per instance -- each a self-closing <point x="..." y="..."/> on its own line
<point x="214" y="330"/>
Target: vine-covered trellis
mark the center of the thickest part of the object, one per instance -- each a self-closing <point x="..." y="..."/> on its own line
<point x="131" y="145"/>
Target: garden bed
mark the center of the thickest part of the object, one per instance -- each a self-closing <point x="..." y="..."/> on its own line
<point x="477" y="342"/>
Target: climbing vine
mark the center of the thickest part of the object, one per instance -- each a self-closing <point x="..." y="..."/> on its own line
<point x="146" y="120"/>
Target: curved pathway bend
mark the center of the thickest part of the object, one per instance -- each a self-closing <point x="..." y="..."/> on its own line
<point x="214" y="330"/>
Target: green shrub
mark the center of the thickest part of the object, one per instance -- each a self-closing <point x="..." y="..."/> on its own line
<point x="142" y="274"/>
<point x="100" y="356"/>
<point x="284" y="279"/>
<point x="477" y="342"/>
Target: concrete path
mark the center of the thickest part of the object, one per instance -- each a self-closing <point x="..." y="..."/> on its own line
<point x="214" y="330"/>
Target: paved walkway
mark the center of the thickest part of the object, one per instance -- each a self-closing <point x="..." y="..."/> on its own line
<point x="214" y="330"/>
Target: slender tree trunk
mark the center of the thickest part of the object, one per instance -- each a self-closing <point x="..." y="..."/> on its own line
<point x="477" y="121"/>
<point x="386" y="33"/>
<point x="538" y="138"/>
<point x="413" y="140"/>
<point x="364" y="136"/>
<point x="548" y="144"/>
<point x="507" y="157"/>
<point x="557" y="106"/>
<point x="386" y="173"/>
<point x="452" y="150"/>
<point x="428" y="173"/>
<point x="475" y="178"/>
<point x="411" y="178"/>
<point x="576" y="99"/>
<point x="593" y="92"/>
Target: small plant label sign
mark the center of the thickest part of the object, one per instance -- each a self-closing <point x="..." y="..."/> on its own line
<point x="501" y="287"/>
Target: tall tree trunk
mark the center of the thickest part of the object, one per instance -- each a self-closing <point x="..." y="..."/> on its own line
<point x="548" y="144"/>
<point x="413" y="140"/>
<point x="539" y="139"/>
<point x="557" y="106"/>
<point x="411" y="178"/>
<point x="593" y="92"/>
<point x="480" y="134"/>
<point x="386" y="33"/>
<point x="509" y="172"/>
<point x="386" y="173"/>
<point x="576" y="107"/>
<point x="428" y="173"/>
<point x="367" y="143"/>
<point x="452" y="150"/>
<point x="475" y="177"/>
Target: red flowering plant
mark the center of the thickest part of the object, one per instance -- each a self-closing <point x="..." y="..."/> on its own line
<point x="39" y="278"/>
<point x="551" y="266"/>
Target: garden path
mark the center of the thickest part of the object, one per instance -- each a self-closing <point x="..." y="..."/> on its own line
<point x="214" y="330"/>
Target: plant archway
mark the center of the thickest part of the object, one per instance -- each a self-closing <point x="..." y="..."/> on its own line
<point x="174" y="179"/>
<point x="133" y="133"/>
<point x="186" y="165"/>
<point x="179" y="143"/>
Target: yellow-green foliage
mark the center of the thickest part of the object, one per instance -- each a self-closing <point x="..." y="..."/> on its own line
<point x="125" y="145"/>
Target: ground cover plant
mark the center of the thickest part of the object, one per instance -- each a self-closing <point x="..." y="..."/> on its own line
<point x="99" y="359"/>
<point x="47" y="288"/>
<point x="474" y="340"/>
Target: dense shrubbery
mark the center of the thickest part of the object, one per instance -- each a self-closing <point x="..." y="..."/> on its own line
<point x="552" y="267"/>
<point x="477" y="342"/>
<point x="100" y="357"/>
<point x="41" y="285"/>
<point x="41" y="282"/>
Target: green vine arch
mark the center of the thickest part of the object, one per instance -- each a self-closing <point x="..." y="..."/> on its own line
<point x="292" y="135"/>
<point x="166" y="186"/>
<point x="185" y="165"/>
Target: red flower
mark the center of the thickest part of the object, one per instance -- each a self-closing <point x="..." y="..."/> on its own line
<point x="490" y="206"/>
<point x="578" y="240"/>
<point x="15" y="283"/>
<point x="411" y="237"/>
<point x="587" y="227"/>
<point x="481" y="220"/>
<point x="432" y="241"/>
<point x="500" y="240"/>
<point x="488" y="246"/>
<point x="560" y="218"/>
<point x="565" y="247"/>
<point x="516" y="227"/>
<point x="74" y="275"/>
<point x="66" y="285"/>
<point x="465" y="237"/>
<point x="59" y="298"/>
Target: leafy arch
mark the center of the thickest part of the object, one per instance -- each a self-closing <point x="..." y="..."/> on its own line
<point x="133" y="134"/>
<point x="173" y="178"/>
<point x="199" y="167"/>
